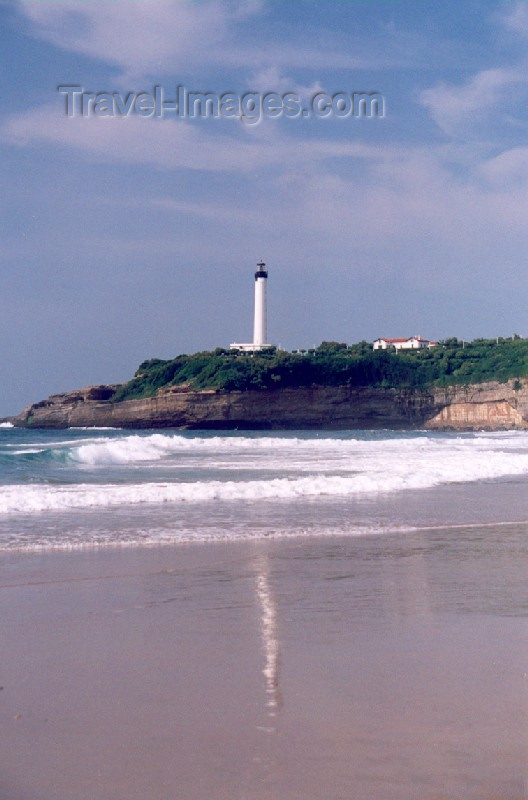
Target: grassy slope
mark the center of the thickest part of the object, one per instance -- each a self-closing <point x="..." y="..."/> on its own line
<point x="333" y="364"/>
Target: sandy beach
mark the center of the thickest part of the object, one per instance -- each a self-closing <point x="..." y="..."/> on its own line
<point x="378" y="667"/>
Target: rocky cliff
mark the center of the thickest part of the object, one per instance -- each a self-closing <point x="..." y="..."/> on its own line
<point x="486" y="406"/>
<point x="490" y="406"/>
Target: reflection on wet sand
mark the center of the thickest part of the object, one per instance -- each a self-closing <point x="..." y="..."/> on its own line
<point x="406" y="590"/>
<point x="269" y="633"/>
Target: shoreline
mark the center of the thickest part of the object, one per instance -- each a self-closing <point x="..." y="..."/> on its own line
<point x="252" y="539"/>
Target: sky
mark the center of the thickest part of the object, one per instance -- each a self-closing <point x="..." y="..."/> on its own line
<point x="131" y="237"/>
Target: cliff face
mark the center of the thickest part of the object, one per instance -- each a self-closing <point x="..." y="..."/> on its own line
<point x="490" y="406"/>
<point x="485" y="406"/>
<point x="317" y="407"/>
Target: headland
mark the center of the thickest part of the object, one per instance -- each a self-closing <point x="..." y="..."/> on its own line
<point x="481" y="385"/>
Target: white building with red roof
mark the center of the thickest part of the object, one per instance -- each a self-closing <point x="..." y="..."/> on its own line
<point x="410" y="343"/>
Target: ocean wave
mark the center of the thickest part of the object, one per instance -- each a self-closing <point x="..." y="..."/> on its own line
<point x="379" y="476"/>
<point x="169" y="449"/>
<point x="6" y="425"/>
<point x="155" y="447"/>
<point x="158" y="537"/>
<point x="93" y="428"/>
<point x="29" y="454"/>
<point x="137" y="449"/>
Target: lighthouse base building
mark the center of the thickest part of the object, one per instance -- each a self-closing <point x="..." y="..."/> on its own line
<point x="260" y="328"/>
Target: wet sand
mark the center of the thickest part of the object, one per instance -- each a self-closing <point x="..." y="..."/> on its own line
<point x="376" y="668"/>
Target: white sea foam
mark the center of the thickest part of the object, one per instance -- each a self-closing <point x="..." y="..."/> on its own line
<point x="156" y="537"/>
<point x="332" y="466"/>
<point x="26" y="452"/>
<point x="159" y="537"/>
<point x="128" y="450"/>
<point x="381" y="472"/>
<point x="6" y="425"/>
<point x="156" y="447"/>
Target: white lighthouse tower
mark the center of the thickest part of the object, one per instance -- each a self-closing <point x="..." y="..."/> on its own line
<point x="260" y="334"/>
<point x="260" y="327"/>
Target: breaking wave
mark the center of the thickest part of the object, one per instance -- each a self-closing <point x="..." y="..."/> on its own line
<point x="378" y="476"/>
<point x="156" y="447"/>
<point x="55" y="473"/>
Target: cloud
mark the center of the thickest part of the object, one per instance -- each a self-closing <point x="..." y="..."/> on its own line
<point x="216" y="146"/>
<point x="208" y="211"/>
<point x="337" y="194"/>
<point x="516" y="18"/>
<point x="460" y="109"/>
<point x="161" y="37"/>
<point x="146" y="36"/>
<point x="350" y="199"/>
<point x="509" y="169"/>
<point x="271" y="79"/>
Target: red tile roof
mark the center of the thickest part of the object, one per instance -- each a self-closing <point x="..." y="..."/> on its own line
<point x="406" y="339"/>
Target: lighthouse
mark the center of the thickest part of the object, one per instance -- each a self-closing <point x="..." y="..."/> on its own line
<point x="260" y="333"/>
<point x="260" y="327"/>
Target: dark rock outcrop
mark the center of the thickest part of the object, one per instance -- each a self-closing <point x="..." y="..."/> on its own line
<point x="490" y="406"/>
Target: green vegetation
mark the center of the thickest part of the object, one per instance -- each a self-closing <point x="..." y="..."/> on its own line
<point x="334" y="364"/>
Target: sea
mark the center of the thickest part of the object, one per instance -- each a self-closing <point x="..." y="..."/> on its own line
<point x="92" y="488"/>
